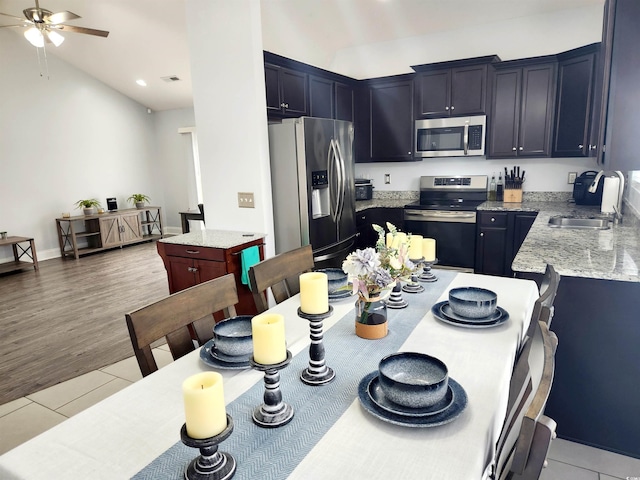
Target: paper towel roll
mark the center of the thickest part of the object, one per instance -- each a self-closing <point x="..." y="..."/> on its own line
<point x="610" y="194"/>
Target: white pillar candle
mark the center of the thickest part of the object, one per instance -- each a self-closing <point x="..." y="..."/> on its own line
<point x="314" y="292"/>
<point x="269" y="344"/>
<point x="429" y="249"/>
<point x="389" y="237"/>
<point x="415" y="247"/>
<point x="400" y="238"/>
<point x="204" y="410"/>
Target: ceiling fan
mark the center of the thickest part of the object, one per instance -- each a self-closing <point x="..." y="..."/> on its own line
<point x="43" y="25"/>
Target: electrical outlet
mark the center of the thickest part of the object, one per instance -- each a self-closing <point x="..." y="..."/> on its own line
<point x="572" y="177"/>
<point x="387" y="178"/>
<point x="245" y="200"/>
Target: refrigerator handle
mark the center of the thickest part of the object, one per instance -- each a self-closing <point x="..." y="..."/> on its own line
<point x="334" y="181"/>
<point x="343" y="179"/>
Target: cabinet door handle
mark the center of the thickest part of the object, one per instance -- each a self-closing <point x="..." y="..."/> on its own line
<point x="592" y="147"/>
<point x="452" y="107"/>
<point x="193" y="252"/>
<point x="482" y="234"/>
<point x="580" y="147"/>
<point x="521" y="148"/>
<point x="513" y="148"/>
<point x="282" y="105"/>
<point x="446" y="108"/>
<point x="192" y="269"/>
<point x="286" y="105"/>
<point x="493" y="219"/>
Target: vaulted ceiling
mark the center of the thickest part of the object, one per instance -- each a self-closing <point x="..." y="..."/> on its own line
<point x="148" y="38"/>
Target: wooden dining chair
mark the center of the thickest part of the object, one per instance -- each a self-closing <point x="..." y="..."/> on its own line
<point x="178" y="318"/>
<point x="279" y="274"/>
<point x="548" y="290"/>
<point x="527" y="456"/>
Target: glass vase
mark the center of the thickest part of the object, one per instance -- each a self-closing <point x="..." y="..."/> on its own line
<point x="371" y="318"/>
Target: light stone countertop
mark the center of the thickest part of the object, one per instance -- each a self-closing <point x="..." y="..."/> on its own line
<point x="612" y="254"/>
<point x="213" y="238"/>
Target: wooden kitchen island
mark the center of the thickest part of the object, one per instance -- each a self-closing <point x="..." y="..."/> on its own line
<point x="198" y="256"/>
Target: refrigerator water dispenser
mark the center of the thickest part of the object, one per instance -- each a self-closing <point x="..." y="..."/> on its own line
<point x="320" y="206"/>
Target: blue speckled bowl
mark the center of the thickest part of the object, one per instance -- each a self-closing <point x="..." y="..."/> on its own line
<point x="232" y="336"/>
<point x="472" y="302"/>
<point x="336" y="277"/>
<point x="413" y="380"/>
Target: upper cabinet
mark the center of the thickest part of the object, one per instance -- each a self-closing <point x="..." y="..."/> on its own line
<point x="621" y="151"/>
<point x="287" y="91"/>
<point x="330" y="99"/>
<point x="521" y="117"/>
<point x="574" y="115"/>
<point x="452" y="88"/>
<point x="388" y="120"/>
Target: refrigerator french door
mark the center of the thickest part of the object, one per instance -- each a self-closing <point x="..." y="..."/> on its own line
<point x="313" y="187"/>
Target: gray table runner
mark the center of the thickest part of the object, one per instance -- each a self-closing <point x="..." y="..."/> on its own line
<point x="275" y="453"/>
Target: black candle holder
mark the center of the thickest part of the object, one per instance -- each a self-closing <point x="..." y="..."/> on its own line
<point x="317" y="373"/>
<point x="413" y="286"/>
<point x="427" y="275"/>
<point x="395" y="299"/>
<point x="273" y="412"/>
<point x="210" y="464"/>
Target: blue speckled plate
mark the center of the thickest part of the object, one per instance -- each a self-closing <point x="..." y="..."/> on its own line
<point x="449" y="414"/>
<point x="212" y="358"/>
<point x="377" y="396"/>
<point x="441" y="314"/>
<point x="339" y="295"/>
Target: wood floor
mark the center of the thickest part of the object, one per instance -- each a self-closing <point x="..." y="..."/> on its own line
<point x="68" y="318"/>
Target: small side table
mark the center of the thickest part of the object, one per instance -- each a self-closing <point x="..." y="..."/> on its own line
<point x="18" y="252"/>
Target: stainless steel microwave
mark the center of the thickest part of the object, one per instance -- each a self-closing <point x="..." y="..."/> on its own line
<point x="451" y="136"/>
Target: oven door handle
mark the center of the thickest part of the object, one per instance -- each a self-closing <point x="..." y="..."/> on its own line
<point x="440" y="216"/>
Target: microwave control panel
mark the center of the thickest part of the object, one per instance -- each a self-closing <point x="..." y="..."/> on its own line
<point x="475" y="137"/>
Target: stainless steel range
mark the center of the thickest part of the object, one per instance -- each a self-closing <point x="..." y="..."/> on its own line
<point x="446" y="211"/>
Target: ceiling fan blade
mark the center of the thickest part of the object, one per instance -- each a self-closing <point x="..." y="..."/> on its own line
<point x="6" y="26"/>
<point x="12" y="16"/>
<point x="89" y="31"/>
<point x="61" y="17"/>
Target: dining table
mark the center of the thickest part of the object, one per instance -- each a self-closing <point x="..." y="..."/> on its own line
<point x="336" y="431"/>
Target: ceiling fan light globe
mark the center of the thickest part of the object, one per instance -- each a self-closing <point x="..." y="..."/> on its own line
<point x="55" y="37"/>
<point x="35" y="37"/>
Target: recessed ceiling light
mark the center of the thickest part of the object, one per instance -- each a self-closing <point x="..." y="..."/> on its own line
<point x="141" y="82"/>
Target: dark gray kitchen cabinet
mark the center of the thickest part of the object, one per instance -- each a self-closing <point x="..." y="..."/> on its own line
<point x="456" y="91"/>
<point x="389" y="121"/>
<point x="576" y="83"/>
<point x="453" y="88"/>
<point x="344" y="98"/>
<point x="523" y="100"/>
<point x="621" y="150"/>
<point x="330" y="99"/>
<point x="491" y="243"/>
<point x="321" y="97"/>
<point x="499" y="237"/>
<point x="286" y="90"/>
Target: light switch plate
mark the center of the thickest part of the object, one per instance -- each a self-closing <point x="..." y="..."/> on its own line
<point x="572" y="178"/>
<point x="387" y="178"/>
<point x="245" y="200"/>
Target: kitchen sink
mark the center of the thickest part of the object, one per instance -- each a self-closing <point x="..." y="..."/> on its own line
<point x="583" y="223"/>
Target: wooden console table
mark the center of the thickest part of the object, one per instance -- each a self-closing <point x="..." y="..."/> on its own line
<point x="18" y="252"/>
<point x="102" y="231"/>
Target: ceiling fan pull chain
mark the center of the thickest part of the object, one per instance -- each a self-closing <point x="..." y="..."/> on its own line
<point x="46" y="64"/>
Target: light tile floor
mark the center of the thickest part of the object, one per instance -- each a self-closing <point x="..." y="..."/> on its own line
<point x="31" y="415"/>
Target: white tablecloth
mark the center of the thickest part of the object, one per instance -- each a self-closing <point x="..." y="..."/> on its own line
<point x="121" y="435"/>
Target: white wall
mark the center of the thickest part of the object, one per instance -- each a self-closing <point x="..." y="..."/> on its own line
<point x="63" y="139"/>
<point x="172" y="160"/>
<point x="227" y="70"/>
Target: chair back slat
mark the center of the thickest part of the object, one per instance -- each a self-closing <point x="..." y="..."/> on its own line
<point x="173" y="318"/>
<point x="280" y="275"/>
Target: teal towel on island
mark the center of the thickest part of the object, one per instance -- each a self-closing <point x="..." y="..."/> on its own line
<point x="248" y="258"/>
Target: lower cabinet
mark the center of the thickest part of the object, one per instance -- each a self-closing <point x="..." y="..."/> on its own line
<point x="499" y="237"/>
<point x="189" y="265"/>
<point x="116" y="231"/>
<point x="367" y="236"/>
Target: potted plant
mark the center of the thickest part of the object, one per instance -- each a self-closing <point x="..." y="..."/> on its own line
<point x="139" y="199"/>
<point x="88" y="206"/>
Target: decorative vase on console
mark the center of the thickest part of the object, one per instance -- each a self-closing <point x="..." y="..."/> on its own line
<point x="373" y="273"/>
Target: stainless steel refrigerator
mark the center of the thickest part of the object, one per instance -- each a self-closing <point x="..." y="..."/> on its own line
<point x="313" y="187"/>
